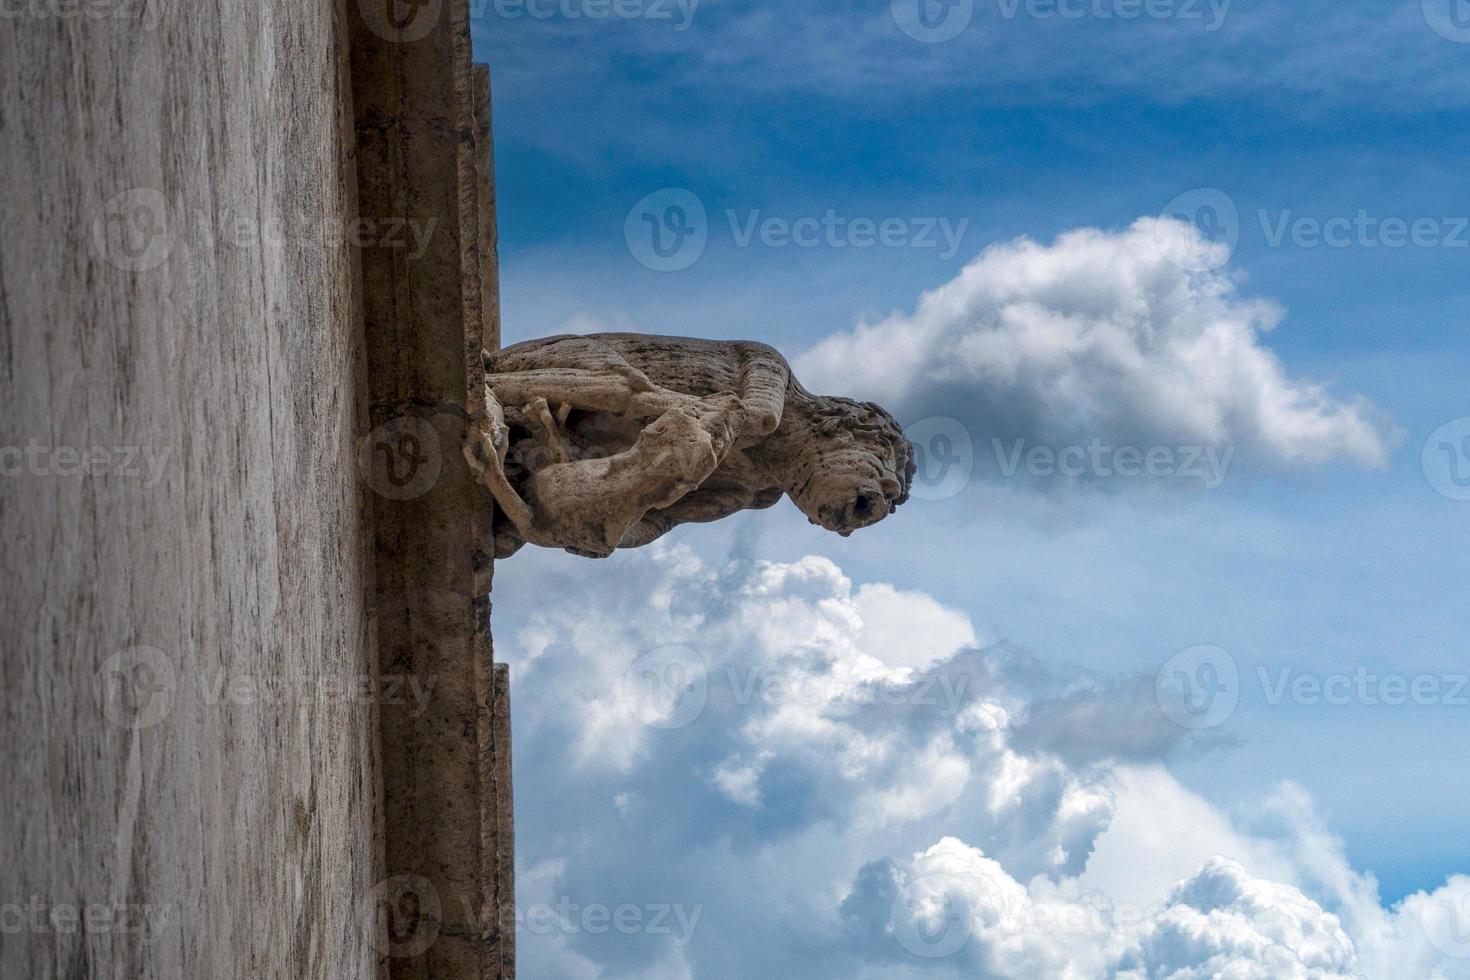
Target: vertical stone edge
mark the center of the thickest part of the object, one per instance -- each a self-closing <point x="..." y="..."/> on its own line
<point x="482" y="331"/>
<point x="505" y="821"/>
<point x="420" y="114"/>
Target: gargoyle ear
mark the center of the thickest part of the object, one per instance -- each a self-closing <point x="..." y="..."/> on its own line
<point x="830" y="426"/>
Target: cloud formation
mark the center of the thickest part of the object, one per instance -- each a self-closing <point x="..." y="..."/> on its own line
<point x="741" y="749"/>
<point x="1100" y="337"/>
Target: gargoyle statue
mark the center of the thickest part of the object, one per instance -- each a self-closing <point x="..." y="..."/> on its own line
<point x="609" y="441"/>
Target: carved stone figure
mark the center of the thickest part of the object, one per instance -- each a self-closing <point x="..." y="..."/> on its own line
<point x="609" y="441"/>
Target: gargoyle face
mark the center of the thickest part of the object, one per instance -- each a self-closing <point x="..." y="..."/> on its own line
<point x="863" y="473"/>
<point x="852" y="489"/>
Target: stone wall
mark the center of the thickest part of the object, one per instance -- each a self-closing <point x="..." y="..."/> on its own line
<point x="189" y="614"/>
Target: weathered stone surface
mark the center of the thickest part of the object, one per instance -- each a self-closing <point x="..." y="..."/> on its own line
<point x="423" y="132"/>
<point x="610" y="441"/>
<point x="174" y="276"/>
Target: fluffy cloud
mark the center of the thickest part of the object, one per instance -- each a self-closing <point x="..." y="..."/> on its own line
<point x="1100" y="335"/>
<point x="735" y="756"/>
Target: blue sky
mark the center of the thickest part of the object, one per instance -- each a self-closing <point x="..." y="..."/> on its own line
<point x="1326" y="551"/>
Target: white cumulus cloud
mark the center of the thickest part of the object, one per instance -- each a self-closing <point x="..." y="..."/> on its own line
<point x="804" y="804"/>
<point x="1100" y="336"/>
